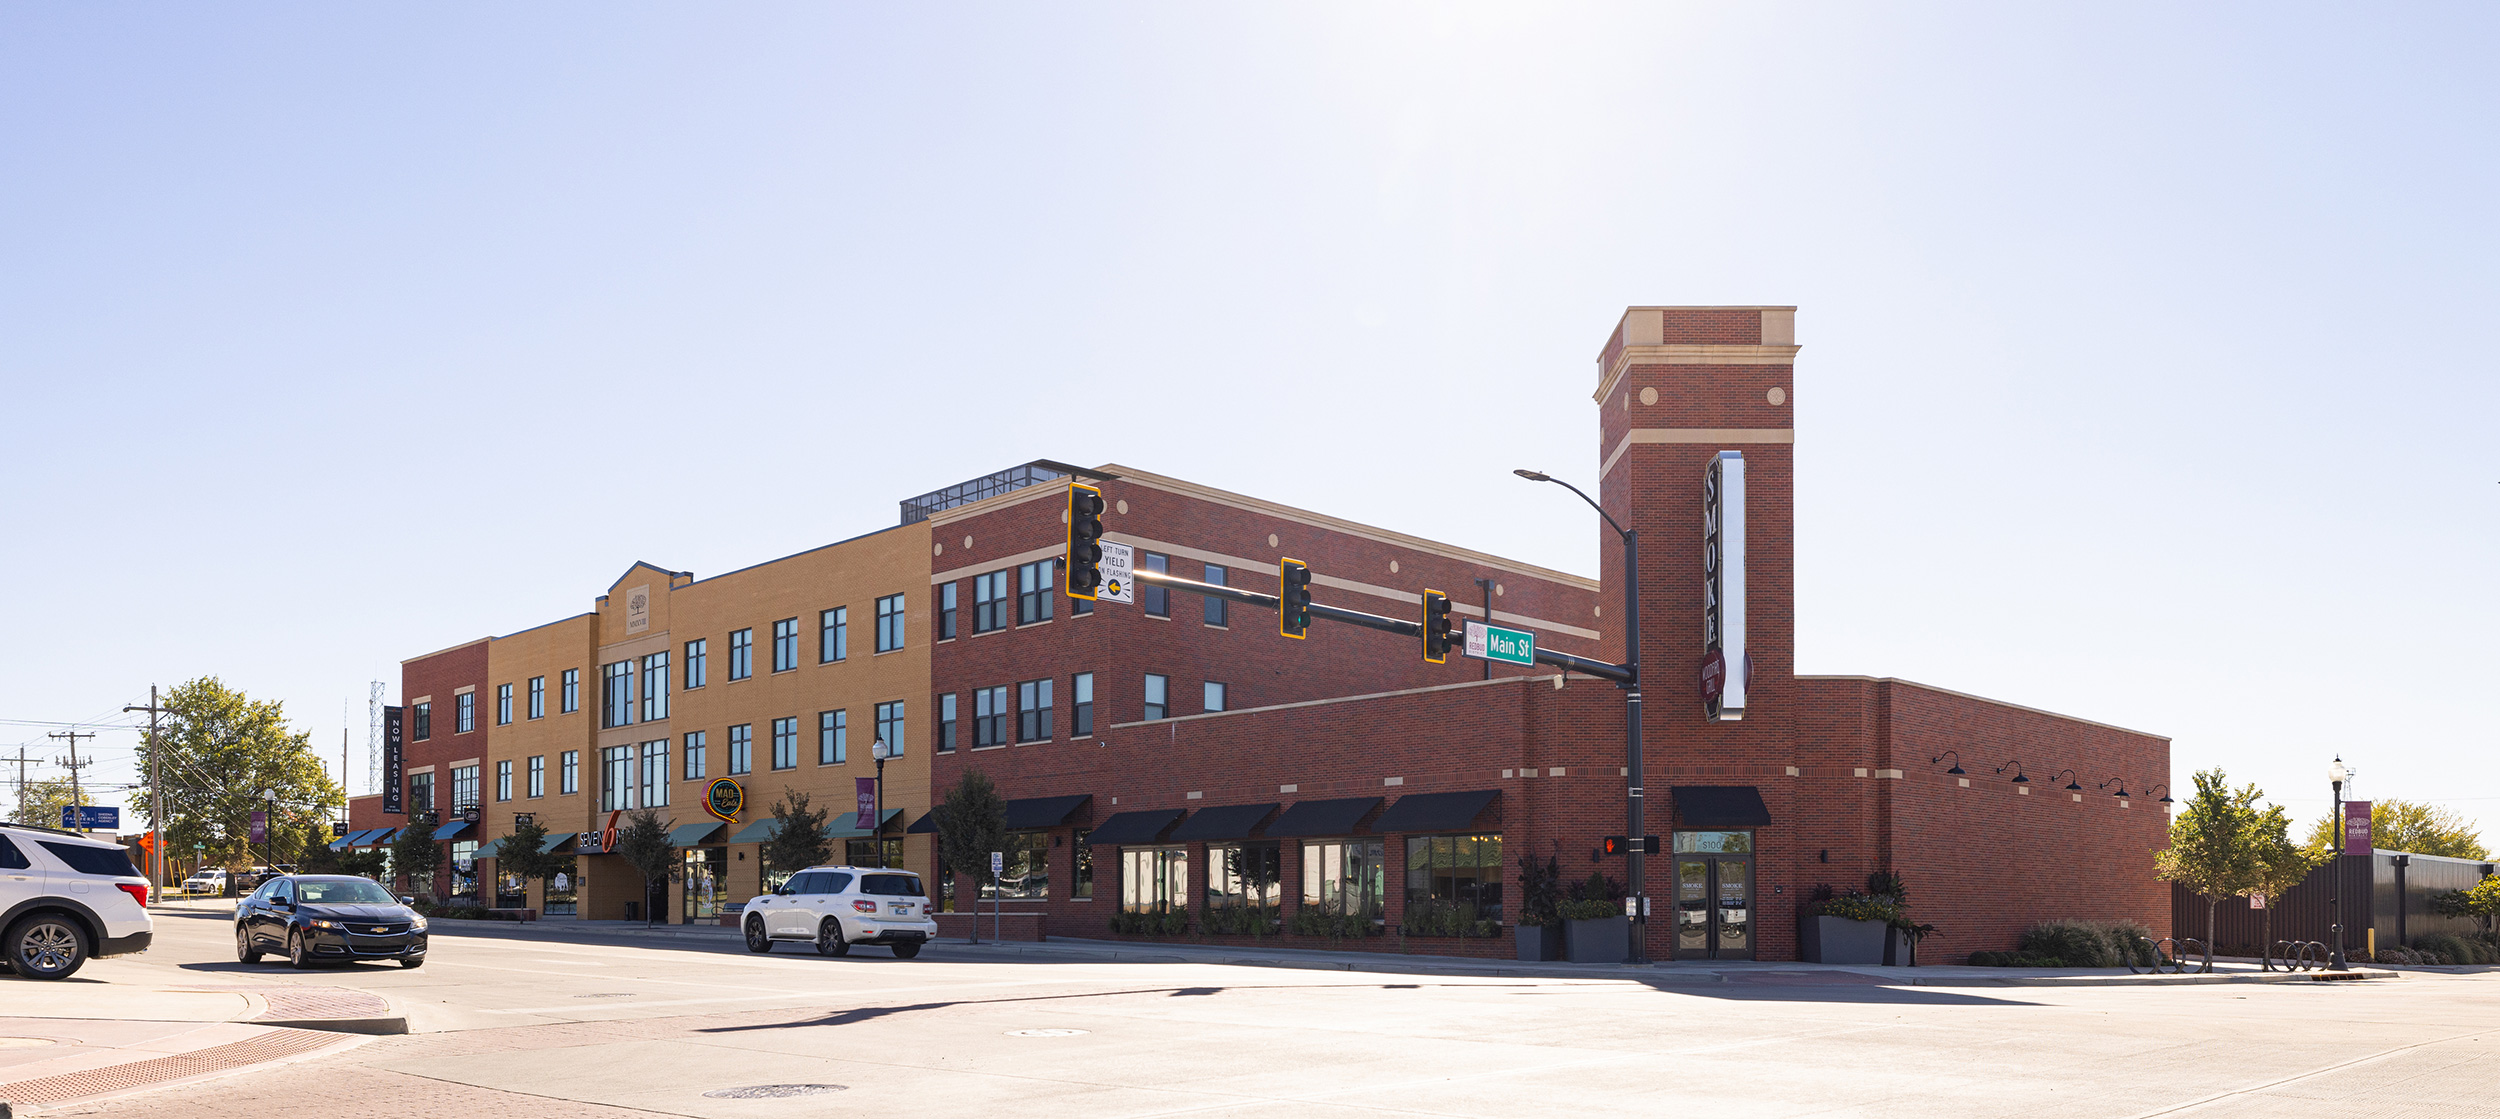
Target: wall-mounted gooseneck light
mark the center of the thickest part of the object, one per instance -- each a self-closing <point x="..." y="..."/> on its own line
<point x="1956" y="755"/>
<point x="2016" y="765"/>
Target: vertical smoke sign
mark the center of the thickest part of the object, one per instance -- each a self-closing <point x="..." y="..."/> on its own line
<point x="1724" y="669"/>
<point x="392" y="764"/>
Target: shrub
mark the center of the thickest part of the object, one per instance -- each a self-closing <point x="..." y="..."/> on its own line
<point x="1446" y="918"/>
<point x="1316" y="922"/>
<point x="2454" y="949"/>
<point x="2014" y="959"/>
<point x="1859" y="907"/>
<point x="1241" y="920"/>
<point x="2089" y="943"/>
<point x="1589" y="909"/>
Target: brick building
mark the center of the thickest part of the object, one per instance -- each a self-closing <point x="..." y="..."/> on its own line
<point x="1177" y="755"/>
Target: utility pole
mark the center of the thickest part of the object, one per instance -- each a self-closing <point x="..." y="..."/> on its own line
<point x="156" y="791"/>
<point x="75" y="796"/>
<point x="21" y="786"/>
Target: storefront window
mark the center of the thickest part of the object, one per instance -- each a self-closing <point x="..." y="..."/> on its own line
<point x="863" y="852"/>
<point x="1081" y="845"/>
<point x="1027" y="874"/>
<point x="511" y="891"/>
<point x="1153" y="879"/>
<point x="774" y="876"/>
<point x="1245" y="887"/>
<point x="707" y="883"/>
<point x="464" y="868"/>
<point x="1454" y="885"/>
<point x="560" y="892"/>
<point x="1344" y="878"/>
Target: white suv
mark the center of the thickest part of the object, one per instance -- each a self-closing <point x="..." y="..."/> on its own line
<point x="65" y="898"/>
<point x="839" y="906"/>
<point x="209" y="881"/>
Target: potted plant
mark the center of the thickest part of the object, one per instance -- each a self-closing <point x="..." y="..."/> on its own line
<point x="1851" y="928"/>
<point x="1540" y="928"/>
<point x="1598" y="932"/>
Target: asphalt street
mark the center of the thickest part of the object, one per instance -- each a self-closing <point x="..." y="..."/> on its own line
<point x="507" y="1022"/>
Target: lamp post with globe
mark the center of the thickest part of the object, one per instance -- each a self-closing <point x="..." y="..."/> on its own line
<point x="876" y="827"/>
<point x="2336" y="775"/>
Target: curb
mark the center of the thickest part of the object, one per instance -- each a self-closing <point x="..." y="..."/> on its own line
<point x="376" y="1027"/>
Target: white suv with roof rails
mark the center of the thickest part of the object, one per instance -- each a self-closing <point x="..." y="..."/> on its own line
<point x="65" y="898"/>
<point x="839" y="906"/>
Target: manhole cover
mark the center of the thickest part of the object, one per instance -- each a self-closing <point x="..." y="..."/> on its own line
<point x="1044" y="1033"/>
<point x="24" y="1042"/>
<point x="774" y="1091"/>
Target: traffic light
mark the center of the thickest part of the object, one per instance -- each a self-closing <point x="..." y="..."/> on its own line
<point x="1293" y="598"/>
<point x="1622" y="845"/>
<point x="1436" y="627"/>
<point x="1084" y="540"/>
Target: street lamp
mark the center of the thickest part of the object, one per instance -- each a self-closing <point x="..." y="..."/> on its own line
<point x="2336" y="775"/>
<point x="876" y="828"/>
<point x="1636" y="866"/>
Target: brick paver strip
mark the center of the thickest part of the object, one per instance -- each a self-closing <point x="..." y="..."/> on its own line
<point x="139" y="1074"/>
<point x="289" y="1003"/>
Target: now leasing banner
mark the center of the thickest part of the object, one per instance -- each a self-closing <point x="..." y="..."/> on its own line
<point x="392" y="765"/>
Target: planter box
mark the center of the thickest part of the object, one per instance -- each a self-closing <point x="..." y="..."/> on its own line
<point x="1540" y="942"/>
<point x="1607" y="940"/>
<point x="1838" y="940"/>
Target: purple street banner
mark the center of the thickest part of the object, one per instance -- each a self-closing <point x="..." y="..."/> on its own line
<point x="2357" y="827"/>
<point x="260" y="827"/>
<point x="867" y="818"/>
<point x="392" y="763"/>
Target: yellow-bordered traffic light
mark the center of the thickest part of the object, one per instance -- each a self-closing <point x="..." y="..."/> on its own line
<point x="1436" y="627"/>
<point x="1293" y="598"/>
<point x="1084" y="540"/>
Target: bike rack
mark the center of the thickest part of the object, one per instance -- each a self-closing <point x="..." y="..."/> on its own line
<point x="2176" y="959"/>
<point x="2299" y="955"/>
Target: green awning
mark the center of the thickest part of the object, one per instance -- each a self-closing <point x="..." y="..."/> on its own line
<point x="554" y="841"/>
<point x="846" y="825"/>
<point x="450" y="831"/>
<point x="761" y="831"/>
<point x="693" y="835"/>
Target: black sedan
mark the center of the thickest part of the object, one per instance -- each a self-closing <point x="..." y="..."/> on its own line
<point x="317" y="917"/>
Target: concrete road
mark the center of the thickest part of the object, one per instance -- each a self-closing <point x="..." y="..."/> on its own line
<point x="506" y="1023"/>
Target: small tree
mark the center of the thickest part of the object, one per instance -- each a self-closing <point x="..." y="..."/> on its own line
<point x="416" y="854"/>
<point x="643" y="844"/>
<point x="972" y="823"/>
<point x="368" y="863"/>
<point x="2213" y="850"/>
<point x="519" y="855"/>
<point x="799" y="839"/>
<point x="2481" y="902"/>
<point x="2281" y="865"/>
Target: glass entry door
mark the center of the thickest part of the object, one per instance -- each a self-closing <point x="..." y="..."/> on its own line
<point x="1714" y="896"/>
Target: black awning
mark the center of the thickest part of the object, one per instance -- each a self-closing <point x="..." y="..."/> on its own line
<point x="1232" y="821"/>
<point x="1435" y="811"/>
<point x="1322" y="817"/>
<point x="1037" y="813"/>
<point x="1131" y="828"/>
<point x="926" y="824"/>
<point x="1720" y="806"/>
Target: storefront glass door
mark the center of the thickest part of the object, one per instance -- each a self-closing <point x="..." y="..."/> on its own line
<point x="707" y="883"/>
<point x="1714" y="895"/>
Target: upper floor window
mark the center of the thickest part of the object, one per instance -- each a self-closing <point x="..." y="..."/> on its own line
<point x="741" y="749"/>
<point x="616" y="778"/>
<point x="503" y="780"/>
<point x="786" y="743"/>
<point x="889" y="623"/>
<point x="1158" y="699"/>
<point x="833" y="634"/>
<point x="572" y="690"/>
<point x="833" y="737"/>
<point x="538" y="775"/>
<point x="464" y="708"/>
<point x="698" y="766"/>
<point x="1033" y="591"/>
<point x="463" y="787"/>
<point x="946" y="611"/>
<point x="503" y="705"/>
<point x="1216" y="614"/>
<point x="538" y="697"/>
<point x="785" y="644"/>
<point x="616" y="694"/>
<point x="742" y="654"/>
<point x="421" y="794"/>
<point x="990" y="602"/>
<point x="1153" y="599"/>
<point x="1081" y="709"/>
<point x="890" y="727"/>
<point x="655" y="687"/>
<point x="946" y="723"/>
<point x="697" y="653"/>
<point x="1033" y="710"/>
<point x="422" y="722"/>
<point x="1215" y="696"/>
<point x="569" y="774"/>
<point x="655" y="774"/>
<point x="989" y="716"/>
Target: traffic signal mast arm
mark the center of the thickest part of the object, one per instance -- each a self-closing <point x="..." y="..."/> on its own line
<point x="1600" y="669"/>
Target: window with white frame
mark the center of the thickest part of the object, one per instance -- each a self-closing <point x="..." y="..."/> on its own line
<point x="1214" y="696"/>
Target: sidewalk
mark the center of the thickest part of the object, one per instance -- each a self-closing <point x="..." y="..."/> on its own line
<point x="1074" y="950"/>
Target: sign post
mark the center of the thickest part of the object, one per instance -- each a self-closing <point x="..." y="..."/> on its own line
<point x="1487" y="642"/>
<point x="998" y="892"/>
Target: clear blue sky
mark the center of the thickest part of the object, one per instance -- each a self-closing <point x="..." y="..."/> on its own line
<point x="2145" y="375"/>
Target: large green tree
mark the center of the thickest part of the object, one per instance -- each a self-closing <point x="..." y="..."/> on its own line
<point x="221" y="756"/>
<point x="799" y="838"/>
<point x="972" y="822"/>
<point x="2408" y="825"/>
<point x="2214" y="849"/>
<point x="44" y="800"/>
